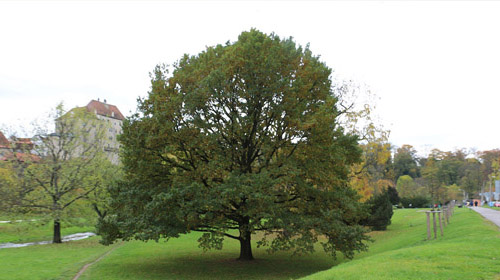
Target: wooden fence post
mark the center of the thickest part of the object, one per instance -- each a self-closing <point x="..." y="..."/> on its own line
<point x="445" y="210"/>
<point x="428" y="226"/>
<point x="440" y="224"/>
<point x="434" y="223"/>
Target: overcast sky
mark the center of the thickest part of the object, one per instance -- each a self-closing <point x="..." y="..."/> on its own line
<point x="433" y="65"/>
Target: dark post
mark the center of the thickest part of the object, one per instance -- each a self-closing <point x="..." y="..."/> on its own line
<point x="428" y="225"/>
<point x="445" y="213"/>
<point x="440" y="224"/>
<point x="57" y="232"/>
<point x="434" y="223"/>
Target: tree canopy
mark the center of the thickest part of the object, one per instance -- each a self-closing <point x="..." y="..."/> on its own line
<point x="242" y="137"/>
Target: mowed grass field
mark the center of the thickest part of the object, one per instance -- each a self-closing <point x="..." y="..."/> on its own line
<point x="469" y="250"/>
<point x="30" y="231"/>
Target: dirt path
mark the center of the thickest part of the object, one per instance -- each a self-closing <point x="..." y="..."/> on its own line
<point x="84" y="268"/>
<point x="489" y="214"/>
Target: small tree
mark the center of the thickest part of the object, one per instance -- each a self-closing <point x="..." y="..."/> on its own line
<point x="380" y="209"/>
<point x="67" y="158"/>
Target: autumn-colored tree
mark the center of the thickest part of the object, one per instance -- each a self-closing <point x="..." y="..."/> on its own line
<point x="241" y="138"/>
<point x="374" y="173"/>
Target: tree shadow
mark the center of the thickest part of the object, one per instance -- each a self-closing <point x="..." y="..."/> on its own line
<point x="224" y="266"/>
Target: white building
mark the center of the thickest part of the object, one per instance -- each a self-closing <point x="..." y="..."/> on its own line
<point x="113" y="119"/>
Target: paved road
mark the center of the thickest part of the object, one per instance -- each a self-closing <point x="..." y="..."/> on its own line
<point x="492" y="215"/>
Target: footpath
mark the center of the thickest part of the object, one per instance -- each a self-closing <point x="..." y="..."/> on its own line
<point x="489" y="214"/>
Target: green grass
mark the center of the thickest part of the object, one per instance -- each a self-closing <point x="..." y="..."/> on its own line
<point x="468" y="250"/>
<point x="465" y="252"/>
<point x="182" y="259"/>
<point x="491" y="207"/>
<point x="52" y="261"/>
<point x="40" y="230"/>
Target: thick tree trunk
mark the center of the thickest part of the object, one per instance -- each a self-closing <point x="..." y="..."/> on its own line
<point x="57" y="232"/>
<point x="245" y="246"/>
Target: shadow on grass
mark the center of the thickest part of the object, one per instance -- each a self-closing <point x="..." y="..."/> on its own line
<point x="222" y="266"/>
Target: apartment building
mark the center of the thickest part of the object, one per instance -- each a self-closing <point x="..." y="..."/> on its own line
<point x="111" y="119"/>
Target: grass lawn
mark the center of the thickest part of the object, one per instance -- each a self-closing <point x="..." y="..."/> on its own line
<point x="465" y="252"/>
<point x="51" y="261"/>
<point x="491" y="207"/>
<point x="468" y="250"/>
<point x="182" y="259"/>
<point x="39" y="230"/>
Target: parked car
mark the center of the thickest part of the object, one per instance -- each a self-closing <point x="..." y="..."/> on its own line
<point x="496" y="204"/>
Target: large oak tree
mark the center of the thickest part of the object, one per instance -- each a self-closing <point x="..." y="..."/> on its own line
<point x="241" y="138"/>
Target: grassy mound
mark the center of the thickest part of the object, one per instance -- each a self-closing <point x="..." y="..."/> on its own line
<point x="469" y="249"/>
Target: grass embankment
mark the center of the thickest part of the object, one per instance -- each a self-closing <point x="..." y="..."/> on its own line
<point x="468" y="250"/>
<point x="491" y="207"/>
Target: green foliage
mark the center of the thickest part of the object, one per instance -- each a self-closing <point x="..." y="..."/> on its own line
<point x="241" y="138"/>
<point x="415" y="202"/>
<point x="393" y="195"/>
<point x="405" y="162"/>
<point x="380" y="211"/>
<point x="9" y="183"/>
<point x="63" y="169"/>
<point x="103" y="178"/>
<point x="472" y="177"/>
<point x="406" y="186"/>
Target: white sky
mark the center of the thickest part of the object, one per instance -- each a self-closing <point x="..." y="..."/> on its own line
<point x="434" y="65"/>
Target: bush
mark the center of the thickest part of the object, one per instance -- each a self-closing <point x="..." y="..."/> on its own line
<point x="393" y="195"/>
<point x="380" y="209"/>
<point x="415" y="202"/>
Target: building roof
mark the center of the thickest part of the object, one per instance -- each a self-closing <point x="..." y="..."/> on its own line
<point x="21" y="157"/>
<point x="22" y="143"/>
<point x="4" y="143"/>
<point x="104" y="109"/>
